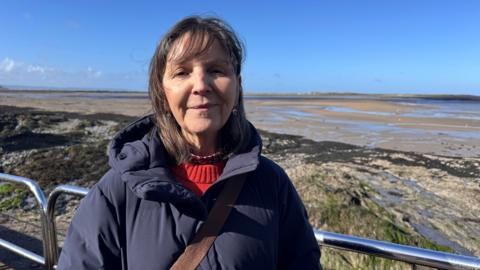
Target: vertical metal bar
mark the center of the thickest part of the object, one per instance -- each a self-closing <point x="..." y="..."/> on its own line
<point x="52" y="199"/>
<point x="47" y="249"/>
<point x="52" y="239"/>
<point x="49" y="240"/>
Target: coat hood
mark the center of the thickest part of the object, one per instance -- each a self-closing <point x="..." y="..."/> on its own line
<point x="139" y="156"/>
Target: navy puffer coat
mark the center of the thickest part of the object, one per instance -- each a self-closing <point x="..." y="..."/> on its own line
<point x="139" y="217"/>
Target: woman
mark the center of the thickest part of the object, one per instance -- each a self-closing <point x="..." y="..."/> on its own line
<point x="167" y="171"/>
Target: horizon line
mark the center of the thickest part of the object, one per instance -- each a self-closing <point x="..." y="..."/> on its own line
<point x="250" y="93"/>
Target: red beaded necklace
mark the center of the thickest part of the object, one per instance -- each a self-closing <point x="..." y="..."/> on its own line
<point x="210" y="159"/>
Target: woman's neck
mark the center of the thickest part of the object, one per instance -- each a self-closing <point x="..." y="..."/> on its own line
<point x="202" y="145"/>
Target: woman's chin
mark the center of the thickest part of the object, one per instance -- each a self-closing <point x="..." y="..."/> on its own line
<point x="204" y="129"/>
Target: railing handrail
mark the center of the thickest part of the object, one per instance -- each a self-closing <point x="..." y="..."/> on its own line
<point x="42" y="204"/>
<point x="32" y="186"/>
<point x="408" y="254"/>
<point x="23" y="252"/>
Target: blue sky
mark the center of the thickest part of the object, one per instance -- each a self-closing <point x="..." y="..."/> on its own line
<point x="407" y="46"/>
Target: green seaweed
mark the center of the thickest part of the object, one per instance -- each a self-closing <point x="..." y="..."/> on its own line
<point x="12" y="202"/>
<point x="347" y="211"/>
<point x="55" y="166"/>
<point x="6" y="189"/>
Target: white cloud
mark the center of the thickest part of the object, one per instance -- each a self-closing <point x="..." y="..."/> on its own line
<point x="7" y="65"/>
<point x="20" y="71"/>
<point x="94" y="73"/>
<point x="35" y="68"/>
<point x="14" y="72"/>
<point x="13" y="67"/>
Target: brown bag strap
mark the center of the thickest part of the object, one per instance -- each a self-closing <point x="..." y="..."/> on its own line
<point x="203" y="240"/>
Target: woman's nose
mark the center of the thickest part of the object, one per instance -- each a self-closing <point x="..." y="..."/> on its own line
<point x="201" y="83"/>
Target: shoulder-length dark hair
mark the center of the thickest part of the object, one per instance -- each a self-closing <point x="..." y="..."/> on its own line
<point x="203" y="32"/>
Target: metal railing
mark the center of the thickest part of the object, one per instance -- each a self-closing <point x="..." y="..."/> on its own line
<point x="42" y="204"/>
<point x="408" y="254"/>
<point x="52" y="200"/>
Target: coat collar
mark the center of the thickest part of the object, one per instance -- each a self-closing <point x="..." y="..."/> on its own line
<point x="138" y="154"/>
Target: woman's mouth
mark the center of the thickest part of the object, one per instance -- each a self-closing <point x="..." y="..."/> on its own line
<point x="202" y="106"/>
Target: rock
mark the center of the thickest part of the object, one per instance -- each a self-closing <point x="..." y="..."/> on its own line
<point x="29" y="203"/>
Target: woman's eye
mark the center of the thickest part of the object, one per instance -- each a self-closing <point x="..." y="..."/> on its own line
<point x="180" y="73"/>
<point x="218" y="71"/>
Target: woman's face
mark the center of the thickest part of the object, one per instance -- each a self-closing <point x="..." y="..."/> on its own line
<point x="200" y="91"/>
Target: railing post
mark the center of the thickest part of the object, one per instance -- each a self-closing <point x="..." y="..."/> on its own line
<point x="52" y="199"/>
<point x="51" y="242"/>
<point x="47" y="232"/>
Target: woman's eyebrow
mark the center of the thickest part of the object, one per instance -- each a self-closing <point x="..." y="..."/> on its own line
<point x="180" y="62"/>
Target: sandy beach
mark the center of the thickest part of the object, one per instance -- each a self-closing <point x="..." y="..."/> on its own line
<point x="373" y="121"/>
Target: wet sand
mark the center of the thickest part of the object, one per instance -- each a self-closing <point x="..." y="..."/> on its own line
<point x="366" y="120"/>
<point x="373" y="123"/>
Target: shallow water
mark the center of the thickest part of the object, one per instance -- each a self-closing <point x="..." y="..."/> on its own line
<point x="464" y="109"/>
<point x="440" y="123"/>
